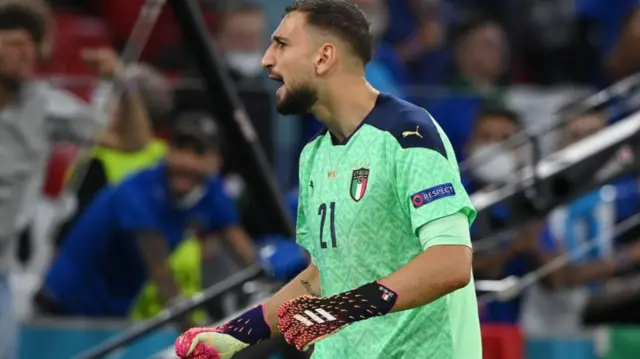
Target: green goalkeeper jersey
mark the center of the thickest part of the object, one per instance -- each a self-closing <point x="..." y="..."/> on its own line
<point x="361" y="205"/>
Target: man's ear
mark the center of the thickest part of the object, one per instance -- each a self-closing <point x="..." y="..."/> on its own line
<point x="325" y="58"/>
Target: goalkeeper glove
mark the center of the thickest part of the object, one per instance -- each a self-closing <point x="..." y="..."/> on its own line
<point x="305" y="320"/>
<point x="225" y="341"/>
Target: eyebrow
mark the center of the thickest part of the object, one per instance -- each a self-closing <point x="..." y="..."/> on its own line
<point x="279" y="39"/>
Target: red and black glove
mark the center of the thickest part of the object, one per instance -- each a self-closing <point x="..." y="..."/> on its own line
<point x="305" y="320"/>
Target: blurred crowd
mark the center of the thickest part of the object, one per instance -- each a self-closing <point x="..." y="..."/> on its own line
<point x="95" y="151"/>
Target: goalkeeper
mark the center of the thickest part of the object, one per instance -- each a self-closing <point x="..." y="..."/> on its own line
<point x="381" y="211"/>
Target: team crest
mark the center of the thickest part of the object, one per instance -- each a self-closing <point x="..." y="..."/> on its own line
<point x="359" y="179"/>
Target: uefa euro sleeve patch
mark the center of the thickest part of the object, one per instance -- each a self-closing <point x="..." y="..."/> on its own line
<point x="429" y="195"/>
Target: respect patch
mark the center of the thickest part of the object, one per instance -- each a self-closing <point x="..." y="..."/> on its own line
<point x="429" y="195"/>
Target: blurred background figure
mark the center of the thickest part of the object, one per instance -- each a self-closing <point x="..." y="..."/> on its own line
<point x="135" y="227"/>
<point x="386" y="71"/>
<point x="35" y="116"/>
<point x="481" y="57"/>
<point x="242" y="40"/>
<point x="583" y="231"/>
<point x="493" y="125"/>
<point x="492" y="164"/>
<point x="107" y="164"/>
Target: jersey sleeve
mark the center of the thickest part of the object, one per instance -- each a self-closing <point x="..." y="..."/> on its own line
<point x="449" y="230"/>
<point x="429" y="187"/>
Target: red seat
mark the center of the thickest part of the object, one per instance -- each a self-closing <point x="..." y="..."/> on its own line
<point x="501" y="341"/>
<point x="60" y="161"/>
<point x="121" y="17"/>
<point x="74" y="32"/>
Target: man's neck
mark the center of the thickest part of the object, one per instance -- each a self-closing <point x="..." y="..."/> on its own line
<point x="343" y="110"/>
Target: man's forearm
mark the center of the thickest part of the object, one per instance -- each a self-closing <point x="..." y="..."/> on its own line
<point x="436" y="272"/>
<point x="168" y="288"/>
<point x="306" y="283"/>
<point x="134" y="126"/>
<point x="241" y="243"/>
<point x="155" y="255"/>
<point x="584" y="274"/>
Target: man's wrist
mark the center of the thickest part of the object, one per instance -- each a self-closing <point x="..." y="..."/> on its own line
<point x="370" y="300"/>
<point x="250" y="327"/>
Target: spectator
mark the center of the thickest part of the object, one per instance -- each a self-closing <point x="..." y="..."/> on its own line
<point x="34" y="116"/>
<point x="491" y="165"/>
<point x="242" y="40"/>
<point x="417" y="30"/>
<point x="480" y="56"/>
<point x="556" y="308"/>
<point x="481" y="59"/>
<point x="135" y="226"/>
<point x="109" y="164"/>
<point x="385" y="71"/>
<point x="557" y="44"/>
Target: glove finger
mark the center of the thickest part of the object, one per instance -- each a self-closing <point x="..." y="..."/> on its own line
<point x="203" y="351"/>
<point x="184" y="341"/>
<point x="181" y="345"/>
<point x="200" y="338"/>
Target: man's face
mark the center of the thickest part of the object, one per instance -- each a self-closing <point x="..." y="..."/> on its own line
<point x="18" y="55"/>
<point x="243" y="32"/>
<point x="583" y="126"/>
<point x="486" y="47"/>
<point x="491" y="130"/>
<point x="190" y="166"/>
<point x="290" y="61"/>
<point x="492" y="164"/>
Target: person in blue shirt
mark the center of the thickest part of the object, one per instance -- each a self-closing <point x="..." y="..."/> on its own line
<point x="584" y="231"/>
<point x="126" y="234"/>
<point x="481" y="59"/>
<point x="417" y="30"/>
<point x="490" y="165"/>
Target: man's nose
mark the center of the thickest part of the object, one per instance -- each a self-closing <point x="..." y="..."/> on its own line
<point x="267" y="59"/>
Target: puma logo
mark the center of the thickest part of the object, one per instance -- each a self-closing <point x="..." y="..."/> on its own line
<point x="409" y="133"/>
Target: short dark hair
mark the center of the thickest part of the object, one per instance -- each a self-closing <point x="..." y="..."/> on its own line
<point x="498" y="111"/>
<point x="25" y="15"/>
<point x="342" y="18"/>
<point x="469" y="23"/>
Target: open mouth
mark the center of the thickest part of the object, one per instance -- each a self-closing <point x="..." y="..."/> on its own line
<point x="280" y="80"/>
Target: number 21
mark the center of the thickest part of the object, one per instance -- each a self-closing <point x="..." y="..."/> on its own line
<point x="322" y="212"/>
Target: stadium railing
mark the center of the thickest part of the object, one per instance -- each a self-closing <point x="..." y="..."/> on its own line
<point x="548" y="181"/>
